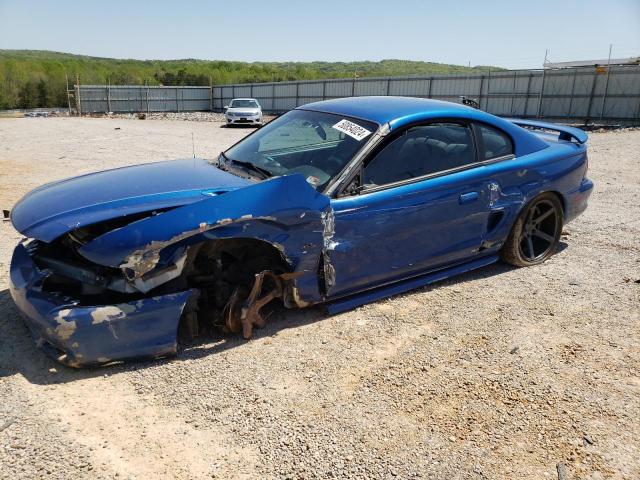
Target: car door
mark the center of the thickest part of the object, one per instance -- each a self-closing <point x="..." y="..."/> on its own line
<point x="423" y="203"/>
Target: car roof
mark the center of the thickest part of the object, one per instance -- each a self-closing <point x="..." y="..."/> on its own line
<point x="243" y="98"/>
<point x="400" y="111"/>
<point x="385" y="109"/>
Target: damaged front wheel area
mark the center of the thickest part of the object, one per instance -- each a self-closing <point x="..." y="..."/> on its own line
<point x="242" y="312"/>
<point x="78" y="328"/>
<point x="236" y="279"/>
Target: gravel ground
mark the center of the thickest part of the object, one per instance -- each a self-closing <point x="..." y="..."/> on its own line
<point x="500" y="373"/>
<point x="184" y="116"/>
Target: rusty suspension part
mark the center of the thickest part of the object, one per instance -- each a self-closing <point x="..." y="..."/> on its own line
<point x="242" y="311"/>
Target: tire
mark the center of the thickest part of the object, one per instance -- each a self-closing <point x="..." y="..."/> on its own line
<point x="535" y="235"/>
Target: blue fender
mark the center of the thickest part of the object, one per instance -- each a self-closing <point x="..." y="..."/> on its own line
<point x="285" y="211"/>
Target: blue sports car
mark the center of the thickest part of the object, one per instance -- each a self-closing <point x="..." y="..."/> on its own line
<point x="339" y="202"/>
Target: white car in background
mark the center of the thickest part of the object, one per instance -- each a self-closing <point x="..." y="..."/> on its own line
<point x="245" y="111"/>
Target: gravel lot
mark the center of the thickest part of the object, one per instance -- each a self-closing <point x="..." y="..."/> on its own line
<point x="501" y="373"/>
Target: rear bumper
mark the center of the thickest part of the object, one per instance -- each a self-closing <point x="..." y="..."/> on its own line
<point x="576" y="201"/>
<point x="93" y="335"/>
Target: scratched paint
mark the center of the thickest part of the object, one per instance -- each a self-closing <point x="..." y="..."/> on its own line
<point x="87" y="335"/>
<point x="104" y="314"/>
<point x="65" y="328"/>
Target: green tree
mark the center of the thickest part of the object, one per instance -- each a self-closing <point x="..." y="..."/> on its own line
<point x="42" y="94"/>
<point x="122" y="78"/>
<point x="27" y="98"/>
<point x="36" y="77"/>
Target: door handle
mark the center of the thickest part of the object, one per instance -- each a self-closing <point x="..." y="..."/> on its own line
<point x="468" y="197"/>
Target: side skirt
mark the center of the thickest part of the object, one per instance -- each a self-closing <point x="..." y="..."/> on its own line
<point x="353" y="301"/>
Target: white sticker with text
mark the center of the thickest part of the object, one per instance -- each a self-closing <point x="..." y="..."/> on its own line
<point x="352" y="129"/>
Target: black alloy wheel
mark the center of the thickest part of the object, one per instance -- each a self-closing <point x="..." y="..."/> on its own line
<point x="536" y="234"/>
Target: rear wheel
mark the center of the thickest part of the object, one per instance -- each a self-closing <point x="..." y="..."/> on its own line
<point x="536" y="234"/>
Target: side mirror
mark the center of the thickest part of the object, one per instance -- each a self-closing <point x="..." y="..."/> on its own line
<point x="226" y="107"/>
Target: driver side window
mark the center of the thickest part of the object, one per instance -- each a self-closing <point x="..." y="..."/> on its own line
<point x="420" y="151"/>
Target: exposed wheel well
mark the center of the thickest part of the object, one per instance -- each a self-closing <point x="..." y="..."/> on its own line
<point x="218" y="268"/>
<point x="244" y="249"/>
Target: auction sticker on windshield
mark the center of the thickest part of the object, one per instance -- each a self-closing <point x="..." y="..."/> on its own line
<point x="352" y="129"/>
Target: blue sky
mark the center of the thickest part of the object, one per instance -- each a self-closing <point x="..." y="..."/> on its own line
<point x="512" y="34"/>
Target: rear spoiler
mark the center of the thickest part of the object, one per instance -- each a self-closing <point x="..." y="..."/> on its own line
<point x="566" y="133"/>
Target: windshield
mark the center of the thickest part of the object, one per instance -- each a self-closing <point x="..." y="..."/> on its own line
<point x="317" y="145"/>
<point x="243" y="104"/>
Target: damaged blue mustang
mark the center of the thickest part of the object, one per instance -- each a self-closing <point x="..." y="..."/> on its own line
<point x="339" y="202"/>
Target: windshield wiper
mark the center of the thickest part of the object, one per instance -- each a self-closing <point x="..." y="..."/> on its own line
<point x="262" y="171"/>
<point x="220" y="163"/>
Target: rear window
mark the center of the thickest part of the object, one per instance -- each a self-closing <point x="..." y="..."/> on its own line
<point x="495" y="143"/>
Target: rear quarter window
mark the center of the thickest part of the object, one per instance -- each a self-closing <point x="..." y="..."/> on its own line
<point x="495" y="143"/>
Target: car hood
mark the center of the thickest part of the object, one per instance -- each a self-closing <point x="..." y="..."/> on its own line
<point x="243" y="110"/>
<point x="58" y="207"/>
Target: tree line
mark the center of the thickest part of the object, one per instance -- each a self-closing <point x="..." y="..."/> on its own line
<point x="35" y="78"/>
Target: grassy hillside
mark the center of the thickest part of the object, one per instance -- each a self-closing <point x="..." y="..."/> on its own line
<point x="36" y="78"/>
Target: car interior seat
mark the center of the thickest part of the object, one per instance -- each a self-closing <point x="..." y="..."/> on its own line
<point x="421" y="151"/>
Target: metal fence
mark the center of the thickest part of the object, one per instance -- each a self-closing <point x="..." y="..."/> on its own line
<point x="131" y="98"/>
<point x="597" y="94"/>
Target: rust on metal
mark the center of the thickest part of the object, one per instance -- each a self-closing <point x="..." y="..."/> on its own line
<point x="242" y="311"/>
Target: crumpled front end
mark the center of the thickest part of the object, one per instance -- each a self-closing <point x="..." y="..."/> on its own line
<point x="121" y="288"/>
<point x="78" y="335"/>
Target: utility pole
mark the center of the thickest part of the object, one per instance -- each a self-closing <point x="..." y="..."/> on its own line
<point x="66" y="81"/>
<point x="606" y="83"/>
<point x="109" y="93"/>
<point x="546" y="53"/>
<point x="210" y="94"/>
<point x="78" y="99"/>
<point x="146" y="84"/>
